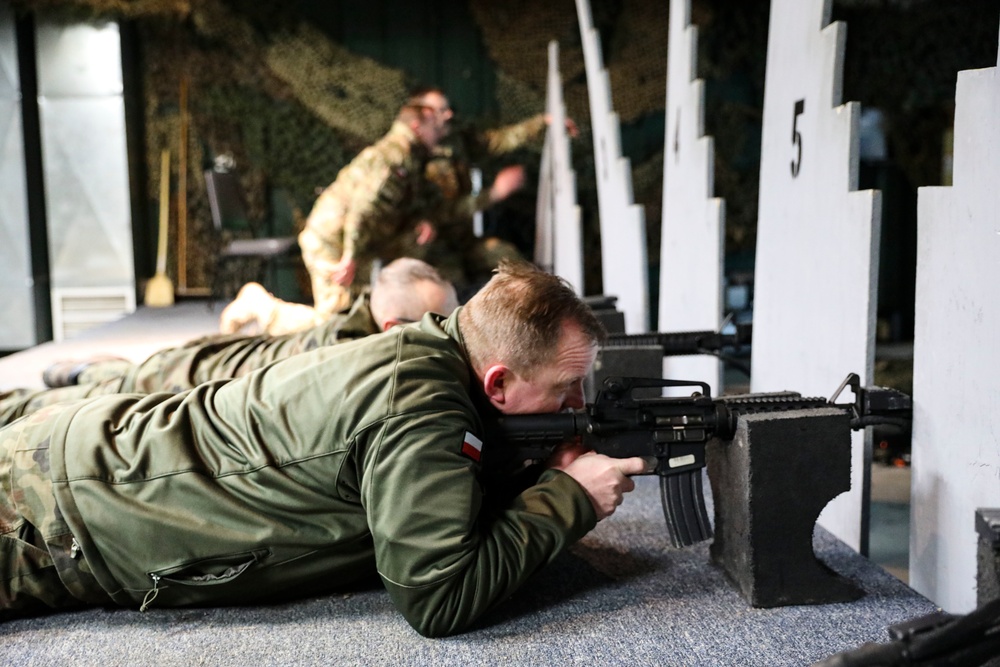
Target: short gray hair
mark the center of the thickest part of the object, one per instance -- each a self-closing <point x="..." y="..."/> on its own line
<point x="393" y="295"/>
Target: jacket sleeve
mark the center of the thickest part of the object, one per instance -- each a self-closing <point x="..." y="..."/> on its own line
<point x="443" y="560"/>
<point x="381" y="193"/>
<point x="511" y="137"/>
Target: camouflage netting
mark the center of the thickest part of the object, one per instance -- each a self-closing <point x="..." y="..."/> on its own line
<point x="350" y="93"/>
<point x="637" y="59"/>
<point x="517" y="34"/>
<point x="114" y="8"/>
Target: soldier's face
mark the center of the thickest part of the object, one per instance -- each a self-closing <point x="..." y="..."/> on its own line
<point x="558" y="385"/>
<point x="436" y="119"/>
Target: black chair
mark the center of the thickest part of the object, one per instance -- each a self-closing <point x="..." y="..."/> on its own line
<point x="240" y="260"/>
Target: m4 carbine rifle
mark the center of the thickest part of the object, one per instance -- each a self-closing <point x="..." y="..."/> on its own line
<point x="725" y="346"/>
<point x="671" y="433"/>
<point x="681" y="343"/>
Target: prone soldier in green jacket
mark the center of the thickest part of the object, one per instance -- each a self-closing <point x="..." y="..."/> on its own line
<point x="317" y="472"/>
<point x="403" y="291"/>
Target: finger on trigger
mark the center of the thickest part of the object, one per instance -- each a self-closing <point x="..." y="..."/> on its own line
<point x="638" y="465"/>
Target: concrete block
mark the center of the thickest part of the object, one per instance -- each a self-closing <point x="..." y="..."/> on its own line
<point x="770" y="484"/>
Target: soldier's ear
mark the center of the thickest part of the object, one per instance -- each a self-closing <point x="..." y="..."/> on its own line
<point x="495" y="384"/>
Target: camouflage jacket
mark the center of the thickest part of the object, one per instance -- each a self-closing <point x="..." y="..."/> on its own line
<point x="448" y="165"/>
<point x="369" y="212"/>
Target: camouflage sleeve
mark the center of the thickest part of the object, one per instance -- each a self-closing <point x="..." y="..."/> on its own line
<point x="511" y="137"/>
<point x="364" y="205"/>
<point x="466" y="206"/>
<point x="321" y="238"/>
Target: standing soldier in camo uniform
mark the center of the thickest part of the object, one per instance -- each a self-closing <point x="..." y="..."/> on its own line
<point x="404" y="290"/>
<point x="380" y="207"/>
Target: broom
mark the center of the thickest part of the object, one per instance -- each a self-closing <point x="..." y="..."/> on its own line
<point x="159" y="289"/>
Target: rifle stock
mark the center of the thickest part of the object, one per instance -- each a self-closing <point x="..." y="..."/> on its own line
<point x="672" y="431"/>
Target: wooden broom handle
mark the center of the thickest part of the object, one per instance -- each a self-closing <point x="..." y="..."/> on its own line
<point x="161" y="246"/>
<point x="182" y="186"/>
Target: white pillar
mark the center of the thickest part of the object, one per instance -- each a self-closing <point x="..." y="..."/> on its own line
<point x="624" y="264"/>
<point x="558" y="235"/>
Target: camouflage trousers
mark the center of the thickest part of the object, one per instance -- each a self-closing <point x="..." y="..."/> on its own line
<point x="20" y="402"/>
<point x="173" y="369"/>
<point x="105" y="370"/>
<point x="41" y="566"/>
<point x="177" y="369"/>
<point x="329" y="297"/>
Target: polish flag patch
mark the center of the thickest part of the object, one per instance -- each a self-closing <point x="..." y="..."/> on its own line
<point x="472" y="447"/>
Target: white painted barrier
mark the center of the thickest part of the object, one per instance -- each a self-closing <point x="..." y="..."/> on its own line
<point x="692" y="242"/>
<point x="558" y="235"/>
<point x="816" y="277"/>
<point x="624" y="262"/>
<point x="956" y="363"/>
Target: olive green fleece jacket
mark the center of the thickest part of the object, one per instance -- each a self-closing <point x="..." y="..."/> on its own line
<point x="306" y="476"/>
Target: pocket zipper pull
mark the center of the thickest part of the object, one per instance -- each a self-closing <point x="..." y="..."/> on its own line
<point x="152" y="593"/>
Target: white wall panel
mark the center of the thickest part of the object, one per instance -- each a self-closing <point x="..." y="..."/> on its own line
<point x="692" y="242"/>
<point x="86" y="191"/>
<point x="17" y="306"/>
<point x="956" y="363"/>
<point x="624" y="263"/>
<point x="815" y="280"/>
<point x="84" y="157"/>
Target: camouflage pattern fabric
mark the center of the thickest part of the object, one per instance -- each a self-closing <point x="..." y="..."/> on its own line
<point x="456" y="252"/>
<point x="41" y="565"/>
<point x="368" y="212"/>
<point x="511" y="137"/>
<point x="105" y="369"/>
<point x="224" y="357"/>
<point x="201" y="360"/>
<point x="20" y="402"/>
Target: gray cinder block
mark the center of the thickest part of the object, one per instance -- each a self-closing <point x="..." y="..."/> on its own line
<point x="769" y="485"/>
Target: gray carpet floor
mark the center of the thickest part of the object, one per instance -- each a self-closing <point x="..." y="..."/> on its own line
<point x="622" y="596"/>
